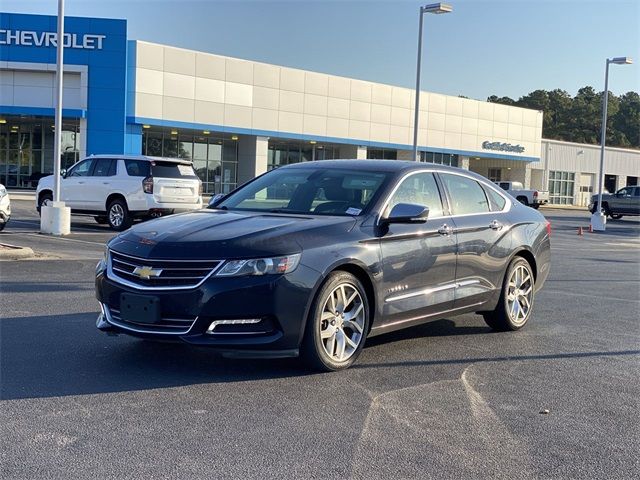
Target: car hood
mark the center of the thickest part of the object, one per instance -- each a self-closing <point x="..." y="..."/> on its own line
<point x="46" y="181"/>
<point x="220" y="234"/>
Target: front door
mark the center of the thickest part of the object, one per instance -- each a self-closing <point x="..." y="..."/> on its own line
<point x="482" y="230"/>
<point x="418" y="260"/>
<point x="73" y="185"/>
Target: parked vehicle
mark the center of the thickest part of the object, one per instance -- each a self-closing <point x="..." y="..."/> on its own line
<point x="310" y="259"/>
<point x="116" y="189"/>
<point x="5" y="207"/>
<point x="625" y="201"/>
<point x="531" y="198"/>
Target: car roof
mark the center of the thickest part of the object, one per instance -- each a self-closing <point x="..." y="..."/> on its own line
<point x="394" y="166"/>
<point x="145" y="158"/>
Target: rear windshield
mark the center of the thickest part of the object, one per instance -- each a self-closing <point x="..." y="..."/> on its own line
<point x="144" y="168"/>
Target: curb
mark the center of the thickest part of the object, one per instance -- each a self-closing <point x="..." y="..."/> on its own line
<point x="14" y="252"/>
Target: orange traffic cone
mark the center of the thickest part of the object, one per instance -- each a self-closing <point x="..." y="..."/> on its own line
<point x="579" y="230"/>
<point x="590" y="228"/>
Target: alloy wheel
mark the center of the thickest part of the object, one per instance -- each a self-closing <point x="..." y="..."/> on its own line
<point x="519" y="294"/>
<point x="116" y="215"/>
<point x="342" y="322"/>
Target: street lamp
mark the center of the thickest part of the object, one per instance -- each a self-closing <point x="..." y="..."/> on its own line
<point x="599" y="218"/>
<point x="436" y="8"/>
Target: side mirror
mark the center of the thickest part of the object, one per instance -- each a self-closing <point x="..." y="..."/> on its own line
<point x="215" y="199"/>
<point x="63" y="173"/>
<point x="407" y="213"/>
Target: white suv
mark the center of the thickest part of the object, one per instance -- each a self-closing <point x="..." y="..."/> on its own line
<point x="115" y="189"/>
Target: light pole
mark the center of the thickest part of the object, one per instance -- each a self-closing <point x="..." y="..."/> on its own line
<point x="599" y="218"/>
<point x="436" y="8"/>
<point x="55" y="219"/>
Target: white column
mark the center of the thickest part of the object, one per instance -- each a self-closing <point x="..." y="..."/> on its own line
<point x="358" y="152"/>
<point x="463" y="162"/>
<point x="252" y="157"/>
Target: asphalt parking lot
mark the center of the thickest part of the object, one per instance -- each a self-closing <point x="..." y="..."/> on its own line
<point x="449" y="399"/>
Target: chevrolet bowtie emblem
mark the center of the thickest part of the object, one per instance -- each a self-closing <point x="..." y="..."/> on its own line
<point x="146" y="273"/>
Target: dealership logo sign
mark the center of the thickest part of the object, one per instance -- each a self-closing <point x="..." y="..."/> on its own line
<point x="28" y="38"/>
<point x="502" y="147"/>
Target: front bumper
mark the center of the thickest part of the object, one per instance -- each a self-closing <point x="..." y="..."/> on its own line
<point x="280" y="302"/>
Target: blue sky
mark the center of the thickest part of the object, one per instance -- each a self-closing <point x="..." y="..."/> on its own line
<point x="502" y="47"/>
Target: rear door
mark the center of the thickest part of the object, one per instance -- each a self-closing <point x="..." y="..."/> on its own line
<point x="482" y="230"/>
<point x="174" y="182"/>
<point x="100" y="185"/>
<point x="418" y="260"/>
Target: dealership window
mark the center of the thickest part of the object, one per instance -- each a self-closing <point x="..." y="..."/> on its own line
<point x="26" y="149"/>
<point x="439" y="158"/>
<point x="215" y="160"/>
<point x="561" y="187"/>
<point x="382" y="154"/>
<point x="285" y="153"/>
<point x="495" y="174"/>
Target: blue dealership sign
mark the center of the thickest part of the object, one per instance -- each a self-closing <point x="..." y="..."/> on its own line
<point x="98" y="44"/>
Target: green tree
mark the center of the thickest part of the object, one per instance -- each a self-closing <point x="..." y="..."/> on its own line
<point x="627" y="118"/>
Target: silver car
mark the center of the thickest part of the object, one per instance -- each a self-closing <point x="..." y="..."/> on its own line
<point x="625" y="201"/>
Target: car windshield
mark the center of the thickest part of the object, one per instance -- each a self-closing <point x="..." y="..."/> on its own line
<point x="317" y="191"/>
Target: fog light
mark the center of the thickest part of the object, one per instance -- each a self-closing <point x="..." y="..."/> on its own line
<point x="237" y="321"/>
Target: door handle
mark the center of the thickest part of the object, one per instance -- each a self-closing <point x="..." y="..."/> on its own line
<point x="106" y="183"/>
<point x="495" y="225"/>
<point x="445" y="230"/>
<point x="80" y="183"/>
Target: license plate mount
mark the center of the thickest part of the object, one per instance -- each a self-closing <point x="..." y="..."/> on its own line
<point x="143" y="309"/>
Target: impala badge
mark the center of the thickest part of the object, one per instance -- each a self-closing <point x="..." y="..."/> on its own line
<point x="147" y="273"/>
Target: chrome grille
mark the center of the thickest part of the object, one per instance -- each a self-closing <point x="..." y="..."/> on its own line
<point x="170" y="274"/>
<point x="175" y="326"/>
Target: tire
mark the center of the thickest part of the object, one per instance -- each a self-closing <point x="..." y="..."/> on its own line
<point x="615" y="216"/>
<point x="101" y="220"/>
<point x="535" y="206"/>
<point x="333" y="342"/>
<point x="2" y="225"/>
<point x="523" y="200"/>
<point x="504" y="317"/>
<point x="118" y="215"/>
<point x="44" y="200"/>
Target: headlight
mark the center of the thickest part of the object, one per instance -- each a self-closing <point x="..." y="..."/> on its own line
<point x="260" y="266"/>
<point x="102" y="264"/>
<point x="3" y="191"/>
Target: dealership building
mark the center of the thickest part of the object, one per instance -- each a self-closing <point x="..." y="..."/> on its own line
<point x="237" y="118"/>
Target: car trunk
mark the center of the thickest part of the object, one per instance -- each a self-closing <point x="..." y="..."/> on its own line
<point x="174" y="183"/>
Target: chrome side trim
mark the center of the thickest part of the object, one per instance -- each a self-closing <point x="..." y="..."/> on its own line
<point x="428" y="291"/>
<point x="386" y="325"/>
<point x="107" y="316"/>
<point x="112" y="276"/>
<point x="240" y="321"/>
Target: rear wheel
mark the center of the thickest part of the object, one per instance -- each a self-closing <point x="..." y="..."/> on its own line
<point x="535" y="205"/>
<point x="118" y="215"/>
<point x="516" y="300"/>
<point x="523" y="200"/>
<point x="337" y="324"/>
<point x="615" y="216"/>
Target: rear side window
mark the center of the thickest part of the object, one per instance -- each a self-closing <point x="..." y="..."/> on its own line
<point x="105" y="167"/>
<point x="137" y="168"/>
<point x="496" y="200"/>
<point x="171" y="170"/>
<point x="467" y="196"/>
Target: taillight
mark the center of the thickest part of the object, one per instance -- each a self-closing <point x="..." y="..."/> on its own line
<point x="548" y="227"/>
<point x="147" y="185"/>
<point x="535" y="194"/>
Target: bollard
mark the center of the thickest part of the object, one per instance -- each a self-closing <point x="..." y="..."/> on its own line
<point x="579" y="230"/>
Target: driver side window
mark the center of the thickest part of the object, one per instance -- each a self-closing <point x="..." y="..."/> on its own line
<point x="83" y="169"/>
<point x="419" y="189"/>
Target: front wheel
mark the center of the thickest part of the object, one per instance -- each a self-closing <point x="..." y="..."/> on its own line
<point x="523" y="200"/>
<point x="516" y="300"/>
<point x="118" y="215"/>
<point x="535" y="206"/>
<point x="45" y="200"/>
<point x="337" y="324"/>
<point x="616" y="216"/>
